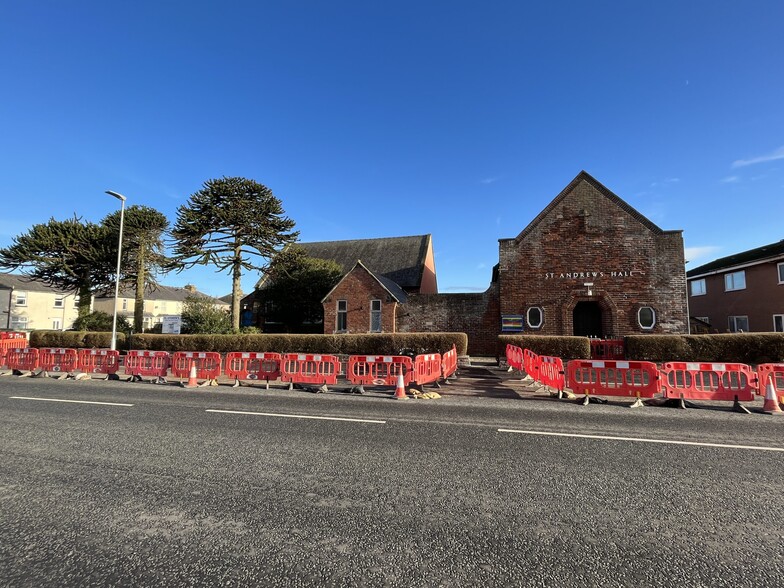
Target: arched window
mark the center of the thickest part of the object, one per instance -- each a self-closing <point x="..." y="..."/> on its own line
<point x="534" y="317"/>
<point x="646" y="317"/>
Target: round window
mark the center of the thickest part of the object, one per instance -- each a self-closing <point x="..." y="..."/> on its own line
<point x="534" y="317"/>
<point x="646" y="316"/>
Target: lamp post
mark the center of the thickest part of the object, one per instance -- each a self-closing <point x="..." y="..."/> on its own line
<point x="121" y="198"/>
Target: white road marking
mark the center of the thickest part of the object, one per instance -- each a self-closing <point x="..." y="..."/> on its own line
<point x="297" y="416"/>
<point x="642" y="440"/>
<point x="72" y="401"/>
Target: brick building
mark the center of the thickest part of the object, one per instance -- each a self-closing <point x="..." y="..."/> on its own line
<point x="740" y="292"/>
<point x="588" y="265"/>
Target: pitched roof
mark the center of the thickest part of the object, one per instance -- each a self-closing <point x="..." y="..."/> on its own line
<point x="769" y="252"/>
<point x="161" y="292"/>
<point x="20" y="282"/>
<point x="391" y="287"/>
<point x="401" y="259"/>
<point x="584" y="176"/>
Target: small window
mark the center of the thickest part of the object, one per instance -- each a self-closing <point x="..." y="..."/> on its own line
<point x="76" y="301"/>
<point x="735" y="281"/>
<point x="778" y="323"/>
<point x="646" y="317"/>
<point x="698" y="287"/>
<point x="739" y="324"/>
<point x="20" y="298"/>
<point x="56" y="324"/>
<point x="342" y="319"/>
<point x="704" y="319"/>
<point x="18" y="323"/>
<point x="59" y="301"/>
<point x="534" y="317"/>
<point x="781" y="272"/>
<point x="375" y="316"/>
<point x="124" y="304"/>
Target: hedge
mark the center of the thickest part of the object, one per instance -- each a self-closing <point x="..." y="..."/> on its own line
<point x="564" y="347"/>
<point x="370" y="344"/>
<point x="74" y="339"/>
<point x="748" y="348"/>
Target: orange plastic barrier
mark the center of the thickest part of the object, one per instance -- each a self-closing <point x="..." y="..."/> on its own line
<point x="379" y="370"/>
<point x="427" y="368"/>
<point x="4" y="335"/>
<point x="709" y="381"/>
<point x="99" y="361"/>
<point x="514" y="357"/>
<point x="208" y="364"/>
<point x="57" y="359"/>
<point x="551" y="372"/>
<point x="11" y="341"/>
<point x="298" y="368"/>
<point x="449" y="363"/>
<point x="614" y="378"/>
<point x="531" y="363"/>
<point x="774" y="372"/>
<point x="253" y="366"/>
<point x="22" y="359"/>
<point x="608" y="349"/>
<point x="147" y="363"/>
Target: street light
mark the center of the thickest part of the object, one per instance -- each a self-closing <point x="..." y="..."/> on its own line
<point x="121" y="198"/>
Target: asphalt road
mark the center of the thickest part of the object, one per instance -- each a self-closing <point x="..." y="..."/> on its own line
<point x="406" y="493"/>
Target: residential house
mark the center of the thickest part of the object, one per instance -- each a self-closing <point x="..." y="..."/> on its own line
<point x="27" y="304"/>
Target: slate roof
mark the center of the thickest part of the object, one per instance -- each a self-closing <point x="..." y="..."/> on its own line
<point x="765" y="253"/>
<point x="20" y="282"/>
<point x="161" y="292"/>
<point x="400" y="259"/>
<point x="613" y="198"/>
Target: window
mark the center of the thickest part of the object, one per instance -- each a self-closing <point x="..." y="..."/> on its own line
<point x="739" y="324"/>
<point x="781" y="272"/>
<point x="58" y="301"/>
<point x="735" y="281"/>
<point x="375" y="316"/>
<point x="698" y="287"/>
<point x="18" y="323"/>
<point x="342" y="319"/>
<point x="534" y="317"/>
<point x="20" y="298"/>
<point x="76" y="301"/>
<point x="646" y="317"/>
<point x="124" y="304"/>
<point x="704" y="319"/>
<point x="778" y="323"/>
<point x="56" y="324"/>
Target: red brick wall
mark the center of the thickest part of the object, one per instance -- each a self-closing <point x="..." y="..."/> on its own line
<point x="588" y="238"/>
<point x="358" y="288"/>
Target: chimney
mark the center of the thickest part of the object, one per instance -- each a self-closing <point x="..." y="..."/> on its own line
<point x="190" y="287"/>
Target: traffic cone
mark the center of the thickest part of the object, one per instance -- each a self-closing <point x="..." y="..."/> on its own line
<point x="400" y="389"/>
<point x="771" y="405"/>
<point x="192" y="382"/>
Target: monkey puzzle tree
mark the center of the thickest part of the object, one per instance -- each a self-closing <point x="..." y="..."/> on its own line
<point x="72" y="255"/>
<point x="228" y="223"/>
<point x="142" y="251"/>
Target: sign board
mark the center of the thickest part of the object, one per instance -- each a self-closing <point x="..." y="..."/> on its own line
<point x="171" y="324"/>
<point x="511" y="323"/>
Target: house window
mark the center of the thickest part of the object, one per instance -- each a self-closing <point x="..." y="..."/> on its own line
<point x="781" y="272"/>
<point x="18" y="323"/>
<point x="534" y="317"/>
<point x="76" y="301"/>
<point x="56" y="324"/>
<point x="698" y="287"/>
<point x="20" y="298"/>
<point x="163" y="306"/>
<point x="735" y="281"/>
<point x="125" y="304"/>
<point x="58" y="301"/>
<point x="342" y="319"/>
<point x="739" y="324"/>
<point x="375" y="316"/>
<point x="778" y="323"/>
<point x="704" y="319"/>
<point x="646" y="317"/>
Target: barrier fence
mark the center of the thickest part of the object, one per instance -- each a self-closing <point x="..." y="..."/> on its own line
<point x="207" y="363"/>
<point x="427" y="369"/>
<point x="253" y="366"/>
<point x="379" y="370"/>
<point x="709" y="381"/>
<point x="551" y="372"/>
<point x="99" y="361"/>
<point x="639" y="379"/>
<point x="514" y="356"/>
<point x="22" y="359"/>
<point x="531" y="363"/>
<point x="298" y="368"/>
<point x="52" y="359"/>
<point x="773" y="374"/>
<point x="613" y="349"/>
<point x="11" y="340"/>
<point x="140" y="364"/>
<point x="449" y="363"/>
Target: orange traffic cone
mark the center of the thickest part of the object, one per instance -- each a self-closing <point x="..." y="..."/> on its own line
<point x="192" y="382"/>
<point x="771" y="398"/>
<point x="400" y="389"/>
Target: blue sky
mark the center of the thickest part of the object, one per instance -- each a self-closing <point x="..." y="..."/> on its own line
<point x="375" y="119"/>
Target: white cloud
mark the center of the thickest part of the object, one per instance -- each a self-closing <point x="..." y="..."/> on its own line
<point x="457" y="289"/>
<point x="775" y="155"/>
<point x="730" y="180"/>
<point x="693" y="254"/>
<point x="488" y="180"/>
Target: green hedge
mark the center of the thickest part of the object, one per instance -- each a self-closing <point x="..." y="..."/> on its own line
<point x="74" y="339"/>
<point x="748" y="348"/>
<point x="376" y="344"/>
<point x="564" y="347"/>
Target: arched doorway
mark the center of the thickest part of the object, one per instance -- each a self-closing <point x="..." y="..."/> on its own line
<point x="587" y="319"/>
